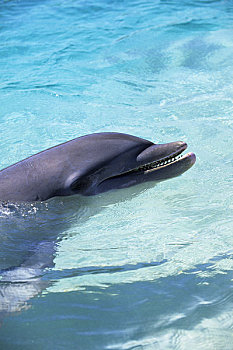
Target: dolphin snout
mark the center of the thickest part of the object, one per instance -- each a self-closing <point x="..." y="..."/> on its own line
<point x="160" y="151"/>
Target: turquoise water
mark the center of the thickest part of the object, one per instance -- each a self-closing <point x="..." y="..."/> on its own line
<point x="144" y="268"/>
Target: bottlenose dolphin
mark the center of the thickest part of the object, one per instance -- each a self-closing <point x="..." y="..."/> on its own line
<point x="92" y="164"/>
<point x="87" y="165"/>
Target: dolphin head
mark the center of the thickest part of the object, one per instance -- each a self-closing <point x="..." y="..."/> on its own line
<point x="115" y="160"/>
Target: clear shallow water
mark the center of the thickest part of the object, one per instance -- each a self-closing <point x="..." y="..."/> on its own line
<point x="134" y="269"/>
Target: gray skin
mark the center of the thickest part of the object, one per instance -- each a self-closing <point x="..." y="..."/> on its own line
<point x="92" y="164"/>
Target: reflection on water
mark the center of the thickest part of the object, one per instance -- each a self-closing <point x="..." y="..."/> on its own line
<point x="144" y="268"/>
<point x="172" y="312"/>
<point x="29" y="240"/>
<point x="30" y="234"/>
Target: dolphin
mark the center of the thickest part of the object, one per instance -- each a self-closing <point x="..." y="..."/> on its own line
<point x="92" y="164"/>
<point x="87" y="165"/>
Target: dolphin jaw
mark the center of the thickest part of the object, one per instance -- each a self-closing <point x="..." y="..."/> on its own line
<point x="156" y="170"/>
<point x="159" y="163"/>
<point x="162" y="162"/>
<point x="167" y="162"/>
<point x="151" y="164"/>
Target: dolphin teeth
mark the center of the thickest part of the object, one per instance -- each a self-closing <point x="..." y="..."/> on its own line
<point x="157" y="164"/>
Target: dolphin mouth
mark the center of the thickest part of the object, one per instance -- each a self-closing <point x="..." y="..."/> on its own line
<point x="163" y="162"/>
<point x="159" y="163"/>
<point x="166" y="162"/>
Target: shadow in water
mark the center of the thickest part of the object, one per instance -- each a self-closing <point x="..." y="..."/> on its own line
<point x="95" y="270"/>
<point x="116" y="316"/>
<point x="146" y="314"/>
<point x="29" y="237"/>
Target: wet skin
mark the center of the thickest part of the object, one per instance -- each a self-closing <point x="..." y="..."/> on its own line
<point x="92" y="164"/>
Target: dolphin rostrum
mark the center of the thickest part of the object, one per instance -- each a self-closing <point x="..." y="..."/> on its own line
<point x="92" y="164"/>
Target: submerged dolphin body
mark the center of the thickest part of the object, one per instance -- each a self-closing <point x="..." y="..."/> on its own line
<point x="87" y="165"/>
<point x="92" y="164"/>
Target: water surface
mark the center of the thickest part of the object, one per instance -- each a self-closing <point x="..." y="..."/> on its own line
<point x="143" y="268"/>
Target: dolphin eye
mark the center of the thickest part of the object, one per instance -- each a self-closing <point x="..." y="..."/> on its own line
<point x="78" y="186"/>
